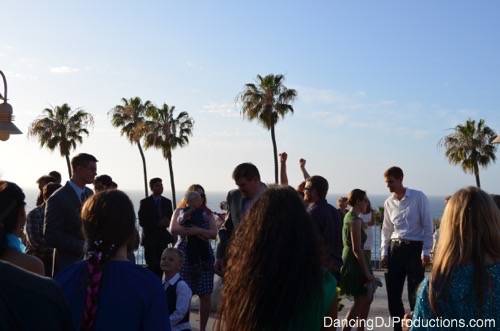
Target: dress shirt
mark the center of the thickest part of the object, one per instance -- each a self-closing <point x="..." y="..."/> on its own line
<point x="407" y="219"/>
<point x="182" y="303"/>
<point x="78" y="190"/>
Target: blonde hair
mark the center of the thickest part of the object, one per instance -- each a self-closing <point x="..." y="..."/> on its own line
<point x="193" y="188"/>
<point x="177" y="251"/>
<point x="469" y="232"/>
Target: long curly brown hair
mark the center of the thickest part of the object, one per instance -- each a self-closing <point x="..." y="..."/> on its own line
<point x="274" y="268"/>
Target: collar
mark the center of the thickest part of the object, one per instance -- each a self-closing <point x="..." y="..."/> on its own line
<point x="406" y="195"/>
<point x="173" y="280"/>
<point x="318" y="203"/>
<point x="78" y="190"/>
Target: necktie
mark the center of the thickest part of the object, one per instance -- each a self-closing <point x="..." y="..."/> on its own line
<point x="158" y="207"/>
<point x="83" y="196"/>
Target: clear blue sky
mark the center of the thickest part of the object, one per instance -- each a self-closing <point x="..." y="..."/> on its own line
<point x="379" y="84"/>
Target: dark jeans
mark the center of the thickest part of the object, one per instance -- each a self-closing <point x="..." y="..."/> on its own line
<point x="404" y="260"/>
<point x="152" y="255"/>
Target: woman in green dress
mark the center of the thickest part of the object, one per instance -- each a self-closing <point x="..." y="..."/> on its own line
<point x="356" y="274"/>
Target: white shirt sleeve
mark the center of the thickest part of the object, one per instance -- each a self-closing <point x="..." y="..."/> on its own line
<point x="182" y="303"/>
<point x="426" y="225"/>
<point x="387" y="229"/>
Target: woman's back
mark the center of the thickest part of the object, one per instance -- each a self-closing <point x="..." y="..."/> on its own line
<point x="130" y="297"/>
<point x="460" y="300"/>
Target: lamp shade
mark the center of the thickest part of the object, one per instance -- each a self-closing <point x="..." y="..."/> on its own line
<point x="6" y="126"/>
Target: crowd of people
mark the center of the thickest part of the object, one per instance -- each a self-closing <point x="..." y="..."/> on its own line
<point x="281" y="253"/>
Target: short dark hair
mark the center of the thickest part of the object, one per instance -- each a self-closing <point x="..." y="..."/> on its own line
<point x="153" y="181"/>
<point x="82" y="160"/>
<point x="45" y="180"/>
<point x="395" y="172"/>
<point x="56" y="175"/>
<point x="320" y="184"/>
<point x="355" y="196"/>
<point x="104" y="180"/>
<point x="246" y="170"/>
<point x="49" y="189"/>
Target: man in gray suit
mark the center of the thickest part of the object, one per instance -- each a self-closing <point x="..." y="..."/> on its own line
<point x="62" y="213"/>
<point x="239" y="201"/>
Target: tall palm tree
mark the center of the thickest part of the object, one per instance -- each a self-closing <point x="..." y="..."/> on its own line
<point x="129" y="116"/>
<point x="267" y="101"/>
<point x="471" y="146"/>
<point x="166" y="131"/>
<point x="61" y="127"/>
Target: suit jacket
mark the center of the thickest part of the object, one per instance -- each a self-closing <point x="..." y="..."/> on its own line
<point x="328" y="222"/>
<point x="235" y="209"/>
<point x="63" y="228"/>
<point x="149" y="217"/>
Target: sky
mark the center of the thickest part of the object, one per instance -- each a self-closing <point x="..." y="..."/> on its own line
<point x="379" y="83"/>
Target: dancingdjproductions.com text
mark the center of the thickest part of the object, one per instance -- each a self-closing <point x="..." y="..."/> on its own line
<point x="381" y="322"/>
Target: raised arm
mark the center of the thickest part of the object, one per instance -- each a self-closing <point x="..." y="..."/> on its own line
<point x="302" y="164"/>
<point x="283" y="174"/>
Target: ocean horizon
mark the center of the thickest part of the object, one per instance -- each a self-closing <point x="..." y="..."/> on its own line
<point x="214" y="198"/>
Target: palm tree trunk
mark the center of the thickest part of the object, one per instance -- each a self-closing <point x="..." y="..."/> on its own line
<point x="476" y="174"/>
<point x="275" y="150"/>
<point x="68" y="164"/>
<point x="172" y="183"/>
<point x="144" y="169"/>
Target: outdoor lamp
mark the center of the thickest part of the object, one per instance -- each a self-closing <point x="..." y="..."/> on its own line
<point x="6" y="126"/>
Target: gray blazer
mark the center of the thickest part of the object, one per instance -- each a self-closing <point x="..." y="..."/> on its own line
<point x="234" y="207"/>
<point x="63" y="229"/>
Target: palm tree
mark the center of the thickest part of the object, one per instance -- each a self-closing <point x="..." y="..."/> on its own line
<point x="470" y="145"/>
<point x="61" y="127"/>
<point x="129" y="116"/>
<point x="166" y="131"/>
<point x="267" y="102"/>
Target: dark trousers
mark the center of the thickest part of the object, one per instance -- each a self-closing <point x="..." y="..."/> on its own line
<point x="404" y="261"/>
<point x="152" y="255"/>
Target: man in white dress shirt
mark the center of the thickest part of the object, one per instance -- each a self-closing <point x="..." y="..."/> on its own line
<point x="406" y="241"/>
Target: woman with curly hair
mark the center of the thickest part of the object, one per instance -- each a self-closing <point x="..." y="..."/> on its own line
<point x="106" y="291"/>
<point x="465" y="279"/>
<point x="274" y="279"/>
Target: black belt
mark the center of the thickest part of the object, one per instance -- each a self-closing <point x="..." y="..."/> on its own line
<point x="405" y="242"/>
